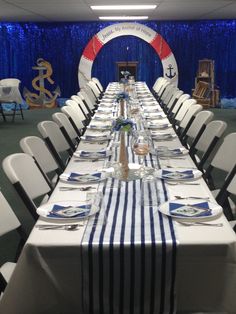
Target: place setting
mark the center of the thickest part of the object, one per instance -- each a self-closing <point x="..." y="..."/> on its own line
<point x="192" y="211"/>
<point x="69" y="215"/>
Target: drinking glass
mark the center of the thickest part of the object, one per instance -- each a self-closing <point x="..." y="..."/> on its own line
<point x="141" y="145"/>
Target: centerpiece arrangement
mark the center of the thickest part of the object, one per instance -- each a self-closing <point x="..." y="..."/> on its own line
<point x="123" y="125"/>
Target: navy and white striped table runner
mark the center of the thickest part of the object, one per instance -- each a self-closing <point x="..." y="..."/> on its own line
<point x="128" y="263"/>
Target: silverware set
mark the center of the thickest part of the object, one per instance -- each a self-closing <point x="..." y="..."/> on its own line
<point x="178" y="197"/>
<point x="68" y="227"/>
<point x="198" y="223"/>
<point x="71" y="188"/>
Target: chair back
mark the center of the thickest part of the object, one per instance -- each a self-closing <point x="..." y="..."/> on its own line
<point x="179" y="103"/>
<point x="76" y="108"/>
<point x="37" y="148"/>
<point x="174" y="99"/>
<point x="96" y="81"/>
<point x="191" y="113"/>
<point x="184" y="108"/>
<point x="50" y="129"/>
<point x="201" y="120"/>
<point x="27" y="179"/>
<point x="94" y="88"/>
<point x="224" y="158"/>
<point x="8" y="221"/>
<point x="214" y="129"/>
<point x="81" y="104"/>
<point x="10" y="82"/>
<point x="84" y="96"/>
<point x="62" y="120"/>
<point x="74" y="118"/>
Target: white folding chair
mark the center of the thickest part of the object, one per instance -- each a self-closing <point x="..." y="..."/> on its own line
<point x="223" y="160"/>
<point x="83" y="108"/>
<point x="67" y="129"/>
<point x="74" y="119"/>
<point x="37" y="148"/>
<point x="98" y="83"/>
<point x="196" y="129"/>
<point x="201" y="151"/>
<point x="92" y="86"/>
<point x="188" y="118"/>
<point x="175" y="108"/>
<point x="182" y="111"/>
<point x="84" y="96"/>
<point x="56" y="142"/>
<point x="78" y="110"/>
<point x="14" y="98"/>
<point x="8" y="223"/>
<point x="83" y="105"/>
<point x="27" y="179"/>
<point x="225" y="198"/>
<point x="173" y="100"/>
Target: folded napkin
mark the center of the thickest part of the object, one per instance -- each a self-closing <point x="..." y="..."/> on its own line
<point x="98" y="138"/>
<point x="103" y="117"/>
<point x="99" y="127"/>
<point x="165" y="136"/>
<point x="87" y="154"/>
<point x="177" y="175"/>
<point x="190" y="210"/>
<point x="158" y="125"/>
<point x="163" y="151"/>
<point x="59" y="211"/>
<point x="82" y="177"/>
<point x="154" y="115"/>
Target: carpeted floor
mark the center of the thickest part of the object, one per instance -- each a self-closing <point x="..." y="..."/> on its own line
<point x="11" y="133"/>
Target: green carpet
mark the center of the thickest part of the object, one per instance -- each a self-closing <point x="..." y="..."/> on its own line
<point x="11" y="133"/>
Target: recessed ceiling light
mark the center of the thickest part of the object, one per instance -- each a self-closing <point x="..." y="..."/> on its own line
<point x="123" y="7"/>
<point x="123" y="17"/>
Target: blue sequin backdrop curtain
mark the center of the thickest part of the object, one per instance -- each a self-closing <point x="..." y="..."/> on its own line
<point x="62" y="45"/>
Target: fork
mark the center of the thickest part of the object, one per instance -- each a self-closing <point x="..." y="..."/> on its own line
<point x="59" y="227"/>
<point x="181" y="183"/>
<point x="69" y="188"/>
<point x="198" y="223"/>
<point x="178" y="197"/>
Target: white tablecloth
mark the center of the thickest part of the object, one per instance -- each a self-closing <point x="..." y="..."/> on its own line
<point x="48" y="277"/>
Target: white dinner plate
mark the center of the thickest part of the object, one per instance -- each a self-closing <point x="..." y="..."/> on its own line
<point x="190" y="209"/>
<point x="163" y="151"/>
<point x="76" y="177"/>
<point x="84" y="154"/>
<point x="177" y="174"/>
<point x="159" y="126"/>
<point x="66" y="209"/>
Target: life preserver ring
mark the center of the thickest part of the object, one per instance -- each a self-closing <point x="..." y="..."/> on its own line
<point x="170" y="69"/>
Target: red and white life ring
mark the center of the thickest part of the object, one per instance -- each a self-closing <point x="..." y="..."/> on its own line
<point x="170" y="69"/>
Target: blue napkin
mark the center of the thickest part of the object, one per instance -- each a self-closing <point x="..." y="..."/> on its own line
<point x="99" y="138"/>
<point x="90" y="177"/>
<point x="99" y="154"/>
<point x="175" y="151"/>
<point x="186" y="174"/>
<point x="57" y="209"/>
<point x="190" y="210"/>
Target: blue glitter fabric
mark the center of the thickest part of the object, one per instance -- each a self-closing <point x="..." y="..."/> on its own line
<point x="62" y="44"/>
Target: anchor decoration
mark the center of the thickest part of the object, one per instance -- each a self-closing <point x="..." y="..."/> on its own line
<point x="45" y="98"/>
<point x="170" y="75"/>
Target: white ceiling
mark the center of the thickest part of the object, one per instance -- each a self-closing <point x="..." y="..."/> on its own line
<point x="79" y="10"/>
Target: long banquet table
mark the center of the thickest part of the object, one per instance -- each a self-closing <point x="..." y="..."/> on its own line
<point x="113" y="265"/>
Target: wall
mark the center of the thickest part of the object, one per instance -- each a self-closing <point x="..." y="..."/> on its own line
<point x="62" y="45"/>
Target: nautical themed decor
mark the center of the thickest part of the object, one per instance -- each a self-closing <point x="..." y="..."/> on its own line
<point x="45" y="98"/>
<point x="170" y="68"/>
